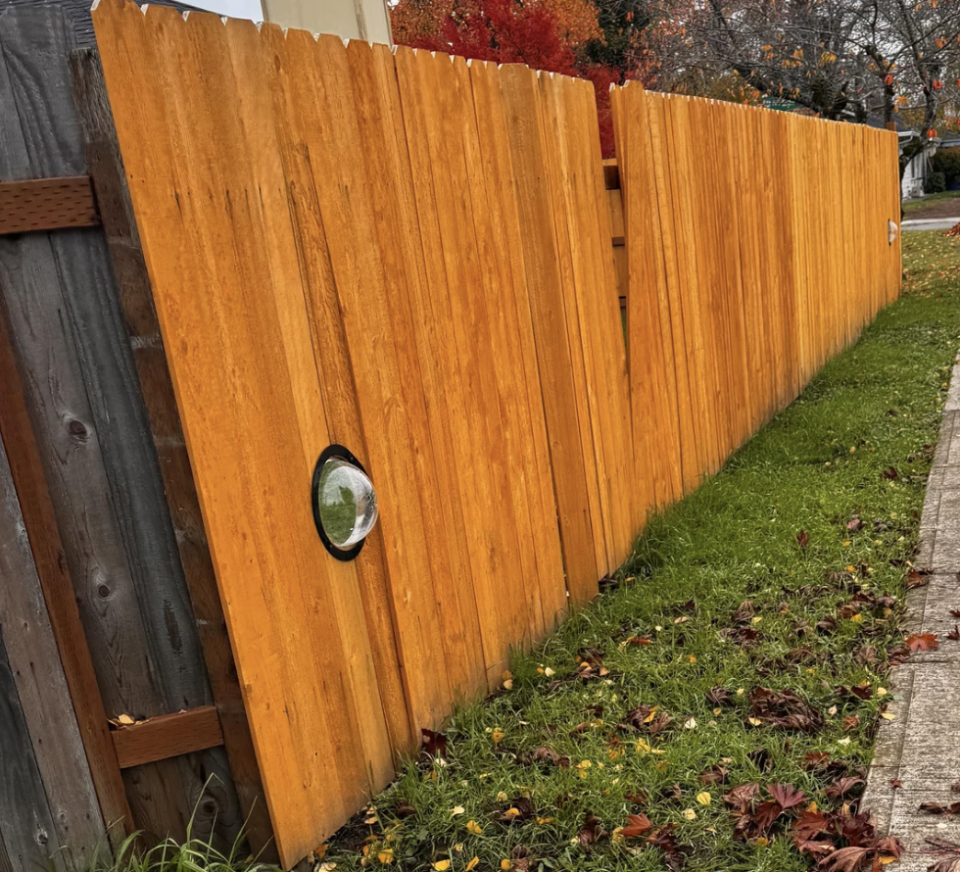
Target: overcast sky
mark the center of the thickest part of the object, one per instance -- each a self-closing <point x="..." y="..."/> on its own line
<point x="233" y="8"/>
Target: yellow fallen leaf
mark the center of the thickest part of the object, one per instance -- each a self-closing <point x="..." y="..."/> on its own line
<point x="458" y="810"/>
<point x="473" y="864"/>
<point x="583" y="764"/>
<point x="704" y="798"/>
<point x="508" y="684"/>
<point x="882" y="691"/>
<point x="506" y="864"/>
<point x="690" y="724"/>
<point x="498" y="734"/>
<point x="502" y="797"/>
<point x="474" y="827"/>
<point x="548" y="672"/>
<point x="846" y="543"/>
<point x="843" y="742"/>
<point x="125" y="720"/>
<point x="887" y="716"/>
<point x="385" y="856"/>
<point x="756" y="722"/>
<point x="512" y="813"/>
<point x="756" y="619"/>
<point x="441" y="865"/>
<point x="857" y="618"/>
<point x="690" y="814"/>
<point x="693" y="659"/>
<point x="544" y="820"/>
<point x="652" y="715"/>
<point x="717" y="711"/>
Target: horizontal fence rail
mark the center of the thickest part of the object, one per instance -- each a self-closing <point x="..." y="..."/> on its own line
<point x="419" y="258"/>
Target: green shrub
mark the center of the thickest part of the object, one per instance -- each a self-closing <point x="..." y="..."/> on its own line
<point x="936" y="182"/>
<point x="947" y="161"/>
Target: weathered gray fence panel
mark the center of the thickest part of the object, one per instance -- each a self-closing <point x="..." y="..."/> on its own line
<point x="26" y="823"/>
<point x="96" y="445"/>
<point x="31" y="649"/>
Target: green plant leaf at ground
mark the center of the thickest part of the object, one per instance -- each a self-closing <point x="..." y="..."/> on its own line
<point x="746" y="642"/>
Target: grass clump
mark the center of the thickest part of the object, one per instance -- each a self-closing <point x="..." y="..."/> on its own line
<point x="747" y="643"/>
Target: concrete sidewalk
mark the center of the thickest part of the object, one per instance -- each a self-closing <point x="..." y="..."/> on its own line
<point x="920" y="747"/>
<point x="928" y="224"/>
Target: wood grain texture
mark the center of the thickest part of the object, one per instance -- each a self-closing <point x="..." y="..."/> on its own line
<point x="27" y="824"/>
<point x="167" y="736"/>
<point x="84" y="401"/>
<point x="34" y="659"/>
<point x="140" y="324"/>
<point x="38" y="514"/>
<point x="276" y="581"/>
<point x="744" y="276"/>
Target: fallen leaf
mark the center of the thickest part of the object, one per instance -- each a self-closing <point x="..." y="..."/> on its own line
<point x="434" y="744"/>
<point x="498" y="735"/>
<point x="803" y="539"/>
<point x="922" y="642"/>
<point x="473" y="864"/>
<point x="474" y="827"/>
<point x="441" y="865"/>
<point x="637" y="825"/>
<point x="787" y="796"/>
<point x="689" y="814"/>
<point x="704" y="798"/>
<point x="591" y="831"/>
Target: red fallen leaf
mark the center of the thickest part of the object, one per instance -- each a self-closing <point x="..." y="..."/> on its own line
<point x="842" y="786"/>
<point x="434" y="744"/>
<point x="844" y="860"/>
<point x="404" y="809"/>
<point x="742" y="797"/>
<point x="548" y="755"/>
<point x="719" y="695"/>
<point x="937" y="808"/>
<point x="814" y="848"/>
<point x="639" y="640"/>
<point x="955" y="613"/>
<point x="787" y="795"/>
<point x="811" y="824"/>
<point x="922" y="642"/>
<point x="890" y="474"/>
<point x="637" y="825"/>
<point x="638" y="798"/>
<point x="803" y="538"/>
<point x="764" y="815"/>
<point x="855" y="524"/>
<point x="851" y="721"/>
<point x="593" y="656"/>
<point x="896" y="783"/>
<point x="591" y="831"/>
<point x="954" y="634"/>
<point x="744" y="613"/>
<point x="951" y="862"/>
<point x="860" y="691"/>
<point x="815" y="760"/>
<point x="713" y="775"/>
<point x="916" y="578"/>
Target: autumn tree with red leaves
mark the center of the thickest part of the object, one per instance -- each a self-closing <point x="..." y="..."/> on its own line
<point x="572" y="37"/>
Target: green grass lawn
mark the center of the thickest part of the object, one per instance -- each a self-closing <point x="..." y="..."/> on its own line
<point x="653" y="702"/>
<point x="916" y="205"/>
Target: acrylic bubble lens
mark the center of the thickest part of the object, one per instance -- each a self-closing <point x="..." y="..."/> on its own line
<point x="344" y="502"/>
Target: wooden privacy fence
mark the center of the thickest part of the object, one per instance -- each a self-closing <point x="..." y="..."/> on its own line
<point x="411" y="256"/>
<point x="404" y="254"/>
<point x="757" y="247"/>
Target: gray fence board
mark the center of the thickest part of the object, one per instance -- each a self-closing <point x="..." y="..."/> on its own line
<point x="27" y="636"/>
<point x="26" y="823"/>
